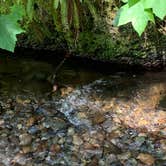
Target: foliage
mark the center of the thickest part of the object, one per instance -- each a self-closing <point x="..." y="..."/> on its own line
<point x="99" y="45"/>
<point x="140" y="12"/>
<point x="82" y="26"/>
<point x="68" y="17"/>
<point x="9" y="28"/>
<point x="68" y="14"/>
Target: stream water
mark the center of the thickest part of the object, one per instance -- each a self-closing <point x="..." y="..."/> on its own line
<point x="93" y="118"/>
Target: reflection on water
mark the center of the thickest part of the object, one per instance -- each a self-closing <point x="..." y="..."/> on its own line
<point x="27" y="75"/>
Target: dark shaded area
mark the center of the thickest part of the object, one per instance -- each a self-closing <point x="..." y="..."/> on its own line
<point x="55" y="57"/>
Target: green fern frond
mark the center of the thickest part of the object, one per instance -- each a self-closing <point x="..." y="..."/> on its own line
<point x="30" y="9"/>
<point x="56" y="4"/>
<point x="92" y="9"/>
<point x="76" y="21"/>
<point x="57" y="23"/>
<point x="64" y="14"/>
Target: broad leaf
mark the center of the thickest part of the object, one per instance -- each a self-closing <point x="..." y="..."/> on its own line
<point x="125" y="1"/>
<point x="132" y="2"/>
<point x="135" y="14"/>
<point x="9" y="28"/>
<point x="158" y="7"/>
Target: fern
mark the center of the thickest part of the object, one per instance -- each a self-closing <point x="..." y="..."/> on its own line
<point x="56" y="4"/>
<point x="30" y="9"/>
<point x="64" y="14"/>
<point x="92" y="9"/>
<point x="76" y="16"/>
<point x="68" y="16"/>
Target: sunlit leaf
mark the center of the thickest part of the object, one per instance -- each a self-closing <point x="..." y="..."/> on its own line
<point x="136" y="15"/>
<point x="139" y="12"/>
<point x="132" y="2"/>
<point x="158" y="7"/>
<point x="9" y="28"/>
<point x="125" y="1"/>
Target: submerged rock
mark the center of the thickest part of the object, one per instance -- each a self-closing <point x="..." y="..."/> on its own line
<point x="77" y="140"/>
<point x="146" y="159"/>
<point x="25" y="139"/>
<point x="112" y="121"/>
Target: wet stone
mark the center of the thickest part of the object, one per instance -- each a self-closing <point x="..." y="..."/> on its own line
<point x="55" y="148"/>
<point x="82" y="127"/>
<point x="139" y="141"/>
<point x="108" y="126"/>
<point x="25" y="139"/>
<point x="163" y="132"/>
<point x="19" y="159"/>
<point x="146" y="159"/>
<point x="124" y="156"/>
<point x="69" y="140"/>
<point x="2" y="123"/>
<point x="110" y="159"/>
<point x="41" y="111"/>
<point x="131" y="162"/>
<point x="26" y="149"/>
<point x="19" y="126"/>
<point x="111" y="148"/>
<point x="77" y="140"/>
<point x="30" y="121"/>
<point x="163" y="144"/>
<point x="33" y="130"/>
<point x="70" y="131"/>
<point x="90" y="153"/>
<point x="98" y="118"/>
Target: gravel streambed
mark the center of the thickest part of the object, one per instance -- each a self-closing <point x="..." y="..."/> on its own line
<point x="86" y="126"/>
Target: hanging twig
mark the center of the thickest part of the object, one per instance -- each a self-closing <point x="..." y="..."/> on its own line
<point x="59" y="66"/>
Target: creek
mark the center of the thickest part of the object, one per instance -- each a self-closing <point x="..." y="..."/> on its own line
<point x="94" y="117"/>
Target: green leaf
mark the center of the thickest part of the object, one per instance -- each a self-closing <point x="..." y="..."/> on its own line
<point x="132" y="2"/>
<point x="9" y="28"/>
<point x="56" y="4"/>
<point x="150" y="15"/>
<point x="76" y="16"/>
<point x="158" y="7"/>
<point x="64" y="14"/>
<point x="125" y="1"/>
<point x="136" y="15"/>
<point x="30" y="9"/>
<point x="92" y="9"/>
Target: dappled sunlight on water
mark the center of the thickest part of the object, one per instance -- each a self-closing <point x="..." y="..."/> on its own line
<point x="129" y="101"/>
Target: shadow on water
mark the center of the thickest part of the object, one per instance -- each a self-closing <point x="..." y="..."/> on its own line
<point x="30" y="71"/>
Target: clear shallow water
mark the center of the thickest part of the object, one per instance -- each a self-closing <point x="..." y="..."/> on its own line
<point x="93" y="117"/>
<point x="31" y="78"/>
